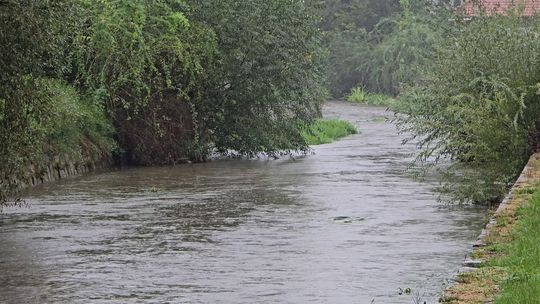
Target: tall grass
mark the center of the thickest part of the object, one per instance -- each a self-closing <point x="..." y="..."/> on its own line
<point x="359" y="95"/>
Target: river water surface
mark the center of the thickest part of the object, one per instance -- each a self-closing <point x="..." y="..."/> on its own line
<point x="345" y="225"/>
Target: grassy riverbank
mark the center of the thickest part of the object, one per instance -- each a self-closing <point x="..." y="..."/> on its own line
<point x="522" y="260"/>
<point x="325" y="131"/>
<point x="510" y="268"/>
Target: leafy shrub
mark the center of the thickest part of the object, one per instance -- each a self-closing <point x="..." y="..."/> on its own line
<point x="267" y="78"/>
<point x="146" y="60"/>
<point x="73" y="125"/>
<point x="477" y="105"/>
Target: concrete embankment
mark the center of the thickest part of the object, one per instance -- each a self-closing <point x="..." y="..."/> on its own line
<point x="62" y="167"/>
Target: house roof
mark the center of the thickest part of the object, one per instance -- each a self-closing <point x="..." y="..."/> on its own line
<point x="525" y="8"/>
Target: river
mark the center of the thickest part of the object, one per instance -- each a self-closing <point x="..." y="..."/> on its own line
<point x="344" y="225"/>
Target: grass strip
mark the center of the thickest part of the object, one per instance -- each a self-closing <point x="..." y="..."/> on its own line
<point x="522" y="258"/>
<point x="324" y="131"/>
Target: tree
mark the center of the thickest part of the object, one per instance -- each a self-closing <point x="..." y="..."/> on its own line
<point x="145" y="60"/>
<point x="266" y="80"/>
<point x="477" y="106"/>
<point x="347" y="25"/>
<point x="404" y="43"/>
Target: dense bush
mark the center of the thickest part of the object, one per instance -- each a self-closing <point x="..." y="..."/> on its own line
<point x="145" y="59"/>
<point x="478" y="104"/>
<point x="33" y="42"/>
<point x="266" y="80"/>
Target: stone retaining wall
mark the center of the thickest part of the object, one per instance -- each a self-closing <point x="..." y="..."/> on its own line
<point x="63" y="167"/>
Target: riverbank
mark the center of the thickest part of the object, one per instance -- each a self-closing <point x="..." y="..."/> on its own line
<point x="322" y="131"/>
<point x="62" y="168"/>
<point x="504" y="265"/>
<point x="79" y="156"/>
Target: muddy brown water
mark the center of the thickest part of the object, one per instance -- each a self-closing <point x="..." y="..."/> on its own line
<point x="345" y="225"/>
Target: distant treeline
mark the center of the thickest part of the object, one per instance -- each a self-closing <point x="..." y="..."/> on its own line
<point x="154" y="81"/>
<point x="379" y="45"/>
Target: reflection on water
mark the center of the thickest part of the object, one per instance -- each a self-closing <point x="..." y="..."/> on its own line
<point x="345" y="225"/>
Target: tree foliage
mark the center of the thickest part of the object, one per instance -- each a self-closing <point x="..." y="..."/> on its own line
<point x="379" y="45"/>
<point x="404" y="43"/>
<point x="34" y="36"/>
<point x="339" y="15"/>
<point x="347" y="25"/>
<point x="266" y="80"/>
<point x="175" y="78"/>
<point x="145" y="59"/>
<point x="478" y="105"/>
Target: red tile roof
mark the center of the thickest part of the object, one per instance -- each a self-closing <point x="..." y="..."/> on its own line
<point x="490" y="7"/>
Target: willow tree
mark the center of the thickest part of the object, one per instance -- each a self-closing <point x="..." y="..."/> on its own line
<point x="346" y="25"/>
<point x="405" y="43"/>
<point x="478" y="105"/>
<point x="145" y="60"/>
<point x="266" y="81"/>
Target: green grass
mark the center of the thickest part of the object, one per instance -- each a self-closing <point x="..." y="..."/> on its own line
<point x="522" y="260"/>
<point x="359" y="95"/>
<point x="325" y="131"/>
<point x="378" y="99"/>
